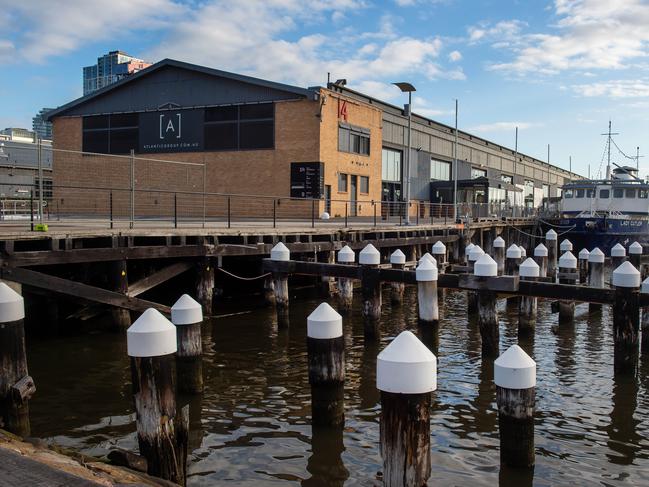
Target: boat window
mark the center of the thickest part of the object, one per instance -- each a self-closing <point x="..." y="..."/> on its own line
<point x="567" y="193"/>
<point x="630" y="193"/>
<point x="590" y="193"/>
<point x="604" y="193"/>
<point x="618" y="193"/>
<point x="643" y="193"/>
<point x="579" y="193"/>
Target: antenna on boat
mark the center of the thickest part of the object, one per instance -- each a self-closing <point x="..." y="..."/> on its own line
<point x="608" y="144"/>
<point x="637" y="159"/>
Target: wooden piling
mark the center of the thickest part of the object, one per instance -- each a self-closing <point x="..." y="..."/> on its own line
<point x="567" y="275"/>
<point x="162" y="432"/>
<point x="635" y="256"/>
<point x="529" y="271"/>
<point x="644" y="342"/>
<point x="499" y="254"/>
<point x="187" y="316"/>
<point x="205" y="285"/>
<point x="566" y="246"/>
<point x="626" y="317"/>
<point x="595" y="275"/>
<point x="618" y="256"/>
<point x="515" y="378"/>
<point x="121" y="318"/>
<point x="369" y="259"/>
<point x="16" y="386"/>
<point x="541" y="258"/>
<point x="280" y="282"/>
<point x="582" y="259"/>
<point x="326" y="357"/>
<point x="551" y="244"/>
<point x="439" y="253"/>
<point x="512" y="260"/>
<point x="345" y="286"/>
<point x="269" y="291"/>
<point x="406" y="376"/>
<point x="398" y="261"/>
<point x="467" y="251"/>
<point x="426" y="275"/>
<point x="472" y="296"/>
<point x="488" y="324"/>
<point x="327" y="283"/>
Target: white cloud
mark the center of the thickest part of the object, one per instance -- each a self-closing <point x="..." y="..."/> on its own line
<point x="622" y="88"/>
<point x="501" y="31"/>
<point x="502" y="127"/>
<point x="7" y="50"/>
<point x="454" y="56"/>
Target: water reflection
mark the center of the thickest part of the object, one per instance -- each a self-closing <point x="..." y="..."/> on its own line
<point x="623" y="439"/>
<point x="325" y="463"/>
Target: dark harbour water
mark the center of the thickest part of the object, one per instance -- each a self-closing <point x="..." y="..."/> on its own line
<point x="252" y="426"/>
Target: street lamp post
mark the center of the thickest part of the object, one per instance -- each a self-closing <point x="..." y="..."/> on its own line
<point x="407" y="88"/>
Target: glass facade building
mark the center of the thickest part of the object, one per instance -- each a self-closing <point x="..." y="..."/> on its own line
<point x="110" y="68"/>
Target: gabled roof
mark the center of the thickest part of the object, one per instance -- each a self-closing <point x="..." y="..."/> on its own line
<point x="301" y="92"/>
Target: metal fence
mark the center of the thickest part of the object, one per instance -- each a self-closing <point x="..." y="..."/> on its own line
<point x="114" y="191"/>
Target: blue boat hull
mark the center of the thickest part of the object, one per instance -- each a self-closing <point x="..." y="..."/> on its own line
<point x="603" y="232"/>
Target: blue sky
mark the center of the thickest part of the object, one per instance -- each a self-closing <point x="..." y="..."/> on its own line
<point x="556" y="69"/>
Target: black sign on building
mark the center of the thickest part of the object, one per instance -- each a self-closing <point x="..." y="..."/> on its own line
<point x="171" y="131"/>
<point x="307" y="179"/>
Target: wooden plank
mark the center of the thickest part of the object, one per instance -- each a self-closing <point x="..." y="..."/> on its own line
<point x="501" y="284"/>
<point x="566" y="292"/>
<point x="158" y="278"/>
<point x="78" y="290"/>
<point x="312" y="268"/>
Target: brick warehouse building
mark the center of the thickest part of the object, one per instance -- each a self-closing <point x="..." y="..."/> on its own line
<point x="255" y="137"/>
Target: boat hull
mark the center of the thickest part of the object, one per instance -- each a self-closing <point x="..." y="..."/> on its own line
<point x="603" y="232"/>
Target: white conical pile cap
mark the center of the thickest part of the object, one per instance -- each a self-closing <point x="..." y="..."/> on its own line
<point x="551" y="235"/>
<point x="618" y="251"/>
<point x="406" y="366"/>
<point x="12" y="304"/>
<point x="439" y="248"/>
<point x="635" y="248"/>
<point x="428" y="257"/>
<point x="540" y="251"/>
<point x="475" y="253"/>
<point x="324" y="323"/>
<point x="280" y="252"/>
<point x="529" y="268"/>
<point x="596" y="256"/>
<point x="499" y="243"/>
<point x="584" y="254"/>
<point x="467" y="249"/>
<point x="426" y="271"/>
<point x="186" y="311"/>
<point x="645" y="286"/>
<point x="397" y="257"/>
<point x="485" y="266"/>
<point x="513" y="252"/>
<point x="565" y="246"/>
<point x="514" y="369"/>
<point x="626" y="275"/>
<point x="346" y="255"/>
<point x="369" y="256"/>
<point x="568" y="261"/>
<point x="523" y="251"/>
<point x="152" y="335"/>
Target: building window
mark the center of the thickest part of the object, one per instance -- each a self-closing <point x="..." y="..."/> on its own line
<point x="604" y="193"/>
<point x="546" y="191"/>
<point x="478" y="173"/>
<point x="506" y="178"/>
<point x="618" y="193"/>
<point x="365" y="184"/>
<point x="353" y="139"/>
<point x="240" y="127"/>
<point x="110" y="134"/>
<point x="342" y="183"/>
<point x="391" y="165"/>
<point x="440" y="170"/>
<point x="47" y="188"/>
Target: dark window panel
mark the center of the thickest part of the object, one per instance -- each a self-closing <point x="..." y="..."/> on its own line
<point x="123" y="140"/>
<point x="124" y="120"/>
<point x="365" y="184"/>
<point x="96" y="141"/>
<point x="343" y="139"/>
<point x="221" y="136"/>
<point x="248" y="112"/>
<point x="95" y="122"/>
<point x="256" y="135"/>
<point x="221" y="114"/>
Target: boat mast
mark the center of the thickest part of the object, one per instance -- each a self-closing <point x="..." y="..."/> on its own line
<point x="608" y="143"/>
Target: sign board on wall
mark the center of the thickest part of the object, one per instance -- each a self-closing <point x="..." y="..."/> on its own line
<point x="171" y="131"/>
<point x="307" y="179"/>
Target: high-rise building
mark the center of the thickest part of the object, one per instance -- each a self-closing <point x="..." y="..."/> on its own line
<point x="110" y="67"/>
<point x="42" y="127"/>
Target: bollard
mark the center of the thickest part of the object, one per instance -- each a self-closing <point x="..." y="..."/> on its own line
<point x="345" y="286"/>
<point x="187" y="315"/>
<point x="512" y="260"/>
<point x="485" y="267"/>
<point x="541" y="258"/>
<point x="618" y="255"/>
<point x="566" y="246"/>
<point x="567" y="275"/>
<point x="472" y="296"/>
<point x="635" y="255"/>
<point x="528" y="271"/>
<point x="280" y="282"/>
<point x="162" y="433"/>
<point x="626" y="317"/>
<point x="467" y="251"/>
<point x="205" y="285"/>
<point x="474" y="255"/>
<point x="439" y="253"/>
<point x="426" y="275"/>
<point x="515" y="378"/>
<point x="551" y="244"/>
<point x="523" y="253"/>
<point x="16" y="386"/>
<point x="595" y="274"/>
<point x="398" y="261"/>
<point x="583" y="265"/>
<point x="369" y="259"/>
<point x="499" y="254"/>
<point x="644" y="343"/>
<point x="406" y="374"/>
<point x="326" y="355"/>
<point x="427" y="257"/>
